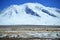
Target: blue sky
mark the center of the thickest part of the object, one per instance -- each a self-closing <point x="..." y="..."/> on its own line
<point x="50" y="3"/>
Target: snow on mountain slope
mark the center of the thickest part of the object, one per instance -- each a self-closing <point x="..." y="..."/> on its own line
<point x="30" y="14"/>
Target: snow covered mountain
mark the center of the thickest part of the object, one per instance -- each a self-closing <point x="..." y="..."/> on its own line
<point x="30" y="14"/>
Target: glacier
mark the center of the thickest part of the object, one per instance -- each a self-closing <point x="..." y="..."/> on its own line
<point x="30" y="14"/>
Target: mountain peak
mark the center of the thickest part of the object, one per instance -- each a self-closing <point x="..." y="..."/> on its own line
<point x="31" y="14"/>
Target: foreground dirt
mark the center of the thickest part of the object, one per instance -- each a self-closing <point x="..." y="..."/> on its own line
<point x="29" y="39"/>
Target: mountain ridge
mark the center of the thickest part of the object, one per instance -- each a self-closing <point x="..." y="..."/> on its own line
<point x="30" y="14"/>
